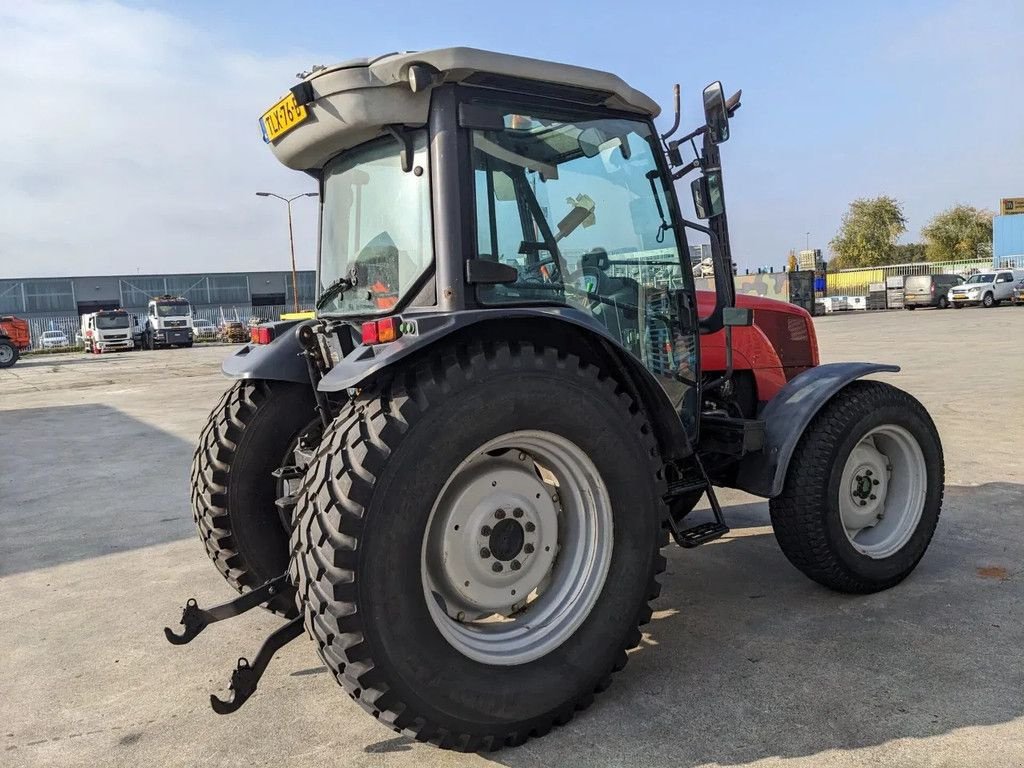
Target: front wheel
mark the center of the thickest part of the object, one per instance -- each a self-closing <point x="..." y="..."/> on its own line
<point x="863" y="492"/>
<point x="943" y="302"/>
<point x="989" y="301"/>
<point x="477" y="542"/>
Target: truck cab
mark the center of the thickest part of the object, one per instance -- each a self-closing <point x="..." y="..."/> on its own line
<point x="169" y="322"/>
<point x="108" y="330"/>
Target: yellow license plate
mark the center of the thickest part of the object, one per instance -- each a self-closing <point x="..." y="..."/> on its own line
<point x="282" y="117"/>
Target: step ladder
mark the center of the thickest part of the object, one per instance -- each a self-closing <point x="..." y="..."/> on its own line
<point x="695" y="478"/>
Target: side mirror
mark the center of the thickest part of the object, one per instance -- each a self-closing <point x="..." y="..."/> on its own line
<point x="707" y="195"/>
<point x="716" y="115"/>
<point x="737" y="316"/>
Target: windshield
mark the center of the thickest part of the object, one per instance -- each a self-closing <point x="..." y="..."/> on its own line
<point x="110" y="322"/>
<point x="171" y="310"/>
<point x="980" y="279"/>
<point x="376" y="228"/>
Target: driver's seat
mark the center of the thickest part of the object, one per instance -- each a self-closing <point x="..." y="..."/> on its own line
<point x="615" y="298"/>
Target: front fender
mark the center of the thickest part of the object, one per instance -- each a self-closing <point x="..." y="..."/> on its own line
<point x="280" y="360"/>
<point x="786" y="417"/>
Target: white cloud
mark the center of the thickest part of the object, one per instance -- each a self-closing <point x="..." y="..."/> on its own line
<point x="131" y="142"/>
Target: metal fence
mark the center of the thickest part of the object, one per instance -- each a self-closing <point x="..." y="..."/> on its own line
<point x="62" y="330"/>
<point x="858" y="282"/>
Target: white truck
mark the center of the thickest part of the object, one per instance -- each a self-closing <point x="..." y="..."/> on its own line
<point x="168" y="323"/>
<point x="987" y="288"/>
<point x="109" y="330"/>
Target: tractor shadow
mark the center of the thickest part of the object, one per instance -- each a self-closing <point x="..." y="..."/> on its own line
<point x="81" y="481"/>
<point x="746" y="659"/>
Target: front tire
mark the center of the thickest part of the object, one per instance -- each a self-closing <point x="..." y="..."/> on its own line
<point x="943" y="303"/>
<point x="863" y="492"/>
<point x="388" y="563"/>
<point x="250" y="433"/>
<point x="988" y="301"/>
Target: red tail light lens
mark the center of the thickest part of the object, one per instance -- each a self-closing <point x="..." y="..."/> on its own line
<point x="381" y="331"/>
<point x="370" y="333"/>
<point x="264" y="335"/>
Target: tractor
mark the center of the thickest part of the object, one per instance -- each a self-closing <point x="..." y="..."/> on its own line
<point x="14" y="339"/>
<point x="457" y="478"/>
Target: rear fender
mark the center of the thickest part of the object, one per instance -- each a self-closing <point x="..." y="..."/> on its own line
<point x="786" y="417"/>
<point x="280" y="360"/>
<point x="556" y="325"/>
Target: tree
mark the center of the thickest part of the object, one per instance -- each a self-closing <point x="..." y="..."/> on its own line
<point x="910" y="253"/>
<point x="867" y="237"/>
<point x="960" y="233"/>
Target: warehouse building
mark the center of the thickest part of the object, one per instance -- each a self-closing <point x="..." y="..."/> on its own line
<point x="233" y="291"/>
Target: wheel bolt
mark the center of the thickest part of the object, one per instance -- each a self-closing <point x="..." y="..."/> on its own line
<point x="872" y="497"/>
<point x="874" y="482"/>
<point x="867" y="472"/>
<point x="516" y="565"/>
<point x="528" y="549"/>
<point x="522" y="456"/>
<point x="485" y="531"/>
<point x="485" y="553"/>
<point x="517" y="512"/>
<point x="530" y="527"/>
<point x="500" y="514"/>
<point x="497" y="567"/>
<point x="863" y="503"/>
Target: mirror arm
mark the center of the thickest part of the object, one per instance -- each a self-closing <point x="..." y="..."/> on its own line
<point x="723" y="297"/>
<point x="690" y="166"/>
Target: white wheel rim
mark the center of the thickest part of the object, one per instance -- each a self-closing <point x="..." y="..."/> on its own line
<point x="882" y="491"/>
<point x="534" y="504"/>
<point x="6" y="353"/>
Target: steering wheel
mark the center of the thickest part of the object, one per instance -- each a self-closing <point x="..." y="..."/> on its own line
<point x="535" y="272"/>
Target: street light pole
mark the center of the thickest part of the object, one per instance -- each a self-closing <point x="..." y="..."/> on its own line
<point x="291" y="240"/>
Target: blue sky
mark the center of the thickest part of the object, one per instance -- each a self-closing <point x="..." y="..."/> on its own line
<point x="140" y="149"/>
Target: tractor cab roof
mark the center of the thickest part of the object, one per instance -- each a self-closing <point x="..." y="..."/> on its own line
<point x="353" y="102"/>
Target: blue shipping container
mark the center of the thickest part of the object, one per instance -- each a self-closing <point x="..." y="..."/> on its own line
<point x="1008" y="237"/>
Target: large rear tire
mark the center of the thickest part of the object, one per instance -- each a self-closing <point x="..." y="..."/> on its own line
<point x="421" y="503"/>
<point x="250" y="433"/>
<point x="864" y="490"/>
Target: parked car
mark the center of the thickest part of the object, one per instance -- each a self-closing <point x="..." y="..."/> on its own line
<point x="234" y="332"/>
<point x="987" y="288"/>
<point x="203" y="329"/>
<point x="928" y="290"/>
<point x="53" y="339"/>
<point x="1018" y="293"/>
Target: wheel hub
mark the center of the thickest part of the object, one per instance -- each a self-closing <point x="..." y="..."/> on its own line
<point x="507" y="539"/>
<point x="882" y="491"/>
<point x="499" y="536"/>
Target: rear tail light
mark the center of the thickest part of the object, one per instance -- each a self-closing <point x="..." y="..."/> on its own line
<point x="933" y="287"/>
<point x="381" y="331"/>
<point x="264" y="334"/>
<point x="254" y="335"/>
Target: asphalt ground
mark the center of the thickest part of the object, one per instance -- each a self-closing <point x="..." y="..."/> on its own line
<point x="745" y="663"/>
